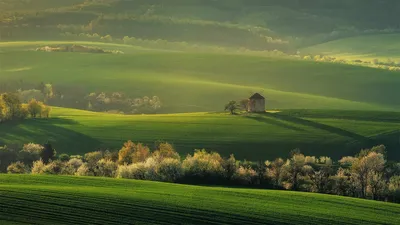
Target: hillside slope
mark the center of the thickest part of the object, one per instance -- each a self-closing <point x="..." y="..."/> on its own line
<point x="255" y="24"/>
<point x="66" y="200"/>
<point x="382" y="47"/>
<point x="191" y="82"/>
<point x="252" y="137"/>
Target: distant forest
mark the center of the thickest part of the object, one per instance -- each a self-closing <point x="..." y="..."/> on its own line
<point x="283" y="25"/>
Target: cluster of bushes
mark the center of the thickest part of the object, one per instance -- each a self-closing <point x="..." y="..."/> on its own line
<point x="169" y="45"/>
<point x="11" y="108"/>
<point x="237" y="23"/>
<point x="31" y="99"/>
<point x="47" y="93"/>
<point x="367" y="175"/>
<point x="184" y="46"/>
<point x="77" y="48"/>
<point x="15" y="160"/>
<point x="388" y="65"/>
<point x="42" y="92"/>
<point x="120" y="103"/>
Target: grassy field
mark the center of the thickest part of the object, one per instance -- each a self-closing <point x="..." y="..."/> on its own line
<point x="368" y="47"/>
<point x="214" y="22"/>
<point x="254" y="137"/>
<point x="28" y="199"/>
<point x="191" y="82"/>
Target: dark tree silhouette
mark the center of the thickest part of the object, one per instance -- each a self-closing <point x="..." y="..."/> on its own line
<point x="48" y="153"/>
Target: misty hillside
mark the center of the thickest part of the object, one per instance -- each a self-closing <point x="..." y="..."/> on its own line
<point x="253" y="24"/>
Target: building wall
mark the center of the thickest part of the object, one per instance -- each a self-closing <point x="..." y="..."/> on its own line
<point x="257" y="105"/>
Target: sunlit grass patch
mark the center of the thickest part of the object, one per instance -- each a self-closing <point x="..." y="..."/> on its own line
<point x="78" y="200"/>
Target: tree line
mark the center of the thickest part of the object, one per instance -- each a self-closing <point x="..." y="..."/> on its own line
<point x="265" y="24"/>
<point x="31" y="96"/>
<point x="11" y="108"/>
<point x="366" y="175"/>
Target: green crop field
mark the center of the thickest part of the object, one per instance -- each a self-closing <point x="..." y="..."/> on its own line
<point x="66" y="200"/>
<point x="319" y="132"/>
<point x="368" y="47"/>
<point x="195" y="56"/>
<point x="191" y="82"/>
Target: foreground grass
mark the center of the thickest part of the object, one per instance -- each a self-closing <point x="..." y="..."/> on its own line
<point x="368" y="47"/>
<point x="248" y="136"/>
<point x="27" y="199"/>
<point x="191" y="82"/>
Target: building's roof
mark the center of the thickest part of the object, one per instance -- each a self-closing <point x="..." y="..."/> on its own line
<point x="257" y="96"/>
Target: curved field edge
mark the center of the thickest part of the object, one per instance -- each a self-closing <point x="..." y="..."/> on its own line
<point x="66" y="200"/>
<point x="219" y="77"/>
<point x="32" y="45"/>
<point x="366" y="47"/>
<point x="249" y="136"/>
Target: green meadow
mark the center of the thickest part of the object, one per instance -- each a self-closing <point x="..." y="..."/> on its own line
<point x="78" y="200"/>
<point x="192" y="82"/>
<point x="205" y="82"/>
<point x="333" y="133"/>
<point x="196" y="56"/>
<point x="366" y="47"/>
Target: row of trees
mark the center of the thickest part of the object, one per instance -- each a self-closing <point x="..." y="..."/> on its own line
<point x="74" y="97"/>
<point x="170" y="45"/>
<point x="11" y="108"/>
<point x="119" y="102"/>
<point x="366" y="175"/>
<point x="389" y="64"/>
<point x="239" y="23"/>
<point x="25" y="156"/>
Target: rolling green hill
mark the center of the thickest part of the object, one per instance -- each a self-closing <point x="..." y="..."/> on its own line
<point x="382" y="47"/>
<point x="254" y="24"/>
<point x="205" y="82"/>
<point x="66" y="200"/>
<point x="191" y="82"/>
<point x="252" y="137"/>
<point x="196" y="56"/>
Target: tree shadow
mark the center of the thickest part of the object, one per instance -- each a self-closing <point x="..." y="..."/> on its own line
<point x="59" y="121"/>
<point x="392" y="142"/>
<point x="55" y="130"/>
<point x="371" y="116"/>
<point x="320" y="126"/>
<point x="266" y="118"/>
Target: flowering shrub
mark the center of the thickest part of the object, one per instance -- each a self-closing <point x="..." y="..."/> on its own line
<point x="170" y="170"/>
<point x="203" y="165"/>
<point x="38" y="167"/>
<point x="83" y="170"/>
<point x="245" y="175"/>
<point x="17" y="168"/>
<point x="106" y="168"/>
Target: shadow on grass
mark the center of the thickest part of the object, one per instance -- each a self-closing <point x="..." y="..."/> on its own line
<point x="371" y="116"/>
<point x="330" y="129"/>
<point x="266" y="118"/>
<point x="58" y="131"/>
<point x="392" y="142"/>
